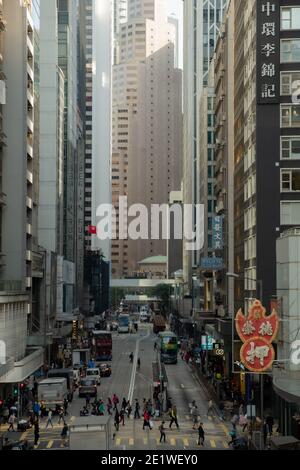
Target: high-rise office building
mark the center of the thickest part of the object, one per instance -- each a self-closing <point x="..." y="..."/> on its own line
<point x="119" y="17"/>
<point x="201" y="28"/>
<point x="21" y="273"/>
<point x="50" y="217"/>
<point x="67" y="62"/>
<point x="147" y="123"/>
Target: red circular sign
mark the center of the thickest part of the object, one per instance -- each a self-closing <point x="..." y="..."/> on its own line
<point x="257" y="354"/>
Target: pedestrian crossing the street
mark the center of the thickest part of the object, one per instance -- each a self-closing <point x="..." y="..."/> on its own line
<point x="132" y="435"/>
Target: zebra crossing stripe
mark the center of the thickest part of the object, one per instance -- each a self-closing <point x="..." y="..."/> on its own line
<point x="186" y="442"/>
<point x="118" y="441"/>
<point x="131" y="442"/>
<point x="50" y="444"/>
<point x="225" y="444"/>
<point x="172" y="441"/>
<point x="145" y="440"/>
<point x="213" y="443"/>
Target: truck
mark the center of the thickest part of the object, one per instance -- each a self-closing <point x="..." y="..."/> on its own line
<point x="68" y="375"/>
<point x="80" y="356"/>
<point x="90" y="433"/>
<point x="102" y="345"/>
<point x="159" y="324"/>
<point x="53" y="391"/>
<point x="168" y="347"/>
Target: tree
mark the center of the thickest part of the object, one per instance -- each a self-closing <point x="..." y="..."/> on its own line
<point x="163" y="293"/>
<point x="116" y="295"/>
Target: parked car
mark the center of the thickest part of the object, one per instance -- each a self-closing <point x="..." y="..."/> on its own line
<point x="93" y="373"/>
<point x="88" y="387"/>
<point x="105" y="370"/>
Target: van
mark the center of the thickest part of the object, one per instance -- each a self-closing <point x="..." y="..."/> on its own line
<point x="144" y="317"/>
<point x="94" y="373"/>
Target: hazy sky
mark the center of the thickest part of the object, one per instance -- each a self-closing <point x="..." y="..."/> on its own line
<point x="176" y="6"/>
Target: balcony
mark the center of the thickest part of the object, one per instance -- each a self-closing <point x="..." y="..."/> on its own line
<point x="29" y="150"/>
<point x="30" y="124"/>
<point x="29" y="176"/>
<point x="2" y="139"/>
<point x="3" y="23"/>
<point x="28" y="202"/>
<point x="30" y="98"/>
<point x="28" y="229"/>
<point x="2" y="199"/>
<point x="30" y="71"/>
<point x="30" y="47"/>
<point x="2" y="259"/>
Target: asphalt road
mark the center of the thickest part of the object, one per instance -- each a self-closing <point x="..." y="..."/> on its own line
<point x="130" y="382"/>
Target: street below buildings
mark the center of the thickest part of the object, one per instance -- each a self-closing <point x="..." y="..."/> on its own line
<point x="130" y="382"/>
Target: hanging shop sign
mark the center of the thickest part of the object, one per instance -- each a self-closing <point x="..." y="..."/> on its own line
<point x="217" y="233"/>
<point x="257" y="332"/>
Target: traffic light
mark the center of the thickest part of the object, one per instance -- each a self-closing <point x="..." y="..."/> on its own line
<point x="1" y="403"/>
<point x="15" y="391"/>
<point x="22" y="387"/>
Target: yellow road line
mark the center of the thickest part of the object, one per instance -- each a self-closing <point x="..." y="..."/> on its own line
<point x="213" y="443"/>
<point x="172" y="441"/>
<point x="50" y="444"/>
<point x="145" y="440"/>
<point x="186" y="442"/>
<point x="118" y="441"/>
<point x="223" y="427"/>
<point x="131" y="442"/>
<point x="225" y="444"/>
<point x="72" y="419"/>
<point x="157" y="441"/>
<point x="23" y="436"/>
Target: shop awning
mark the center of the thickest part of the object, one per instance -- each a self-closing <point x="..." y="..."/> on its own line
<point x="287" y="388"/>
<point x="26" y="367"/>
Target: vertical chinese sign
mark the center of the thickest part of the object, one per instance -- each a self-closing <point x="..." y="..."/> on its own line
<point x="217" y="232"/>
<point x="268" y="52"/>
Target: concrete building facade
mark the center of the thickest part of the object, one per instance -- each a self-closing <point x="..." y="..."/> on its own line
<point x="20" y="275"/>
<point x="201" y="28"/>
<point x="146" y="123"/>
<point x="224" y="157"/>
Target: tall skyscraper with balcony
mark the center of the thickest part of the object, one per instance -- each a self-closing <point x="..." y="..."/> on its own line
<point x="147" y="123"/>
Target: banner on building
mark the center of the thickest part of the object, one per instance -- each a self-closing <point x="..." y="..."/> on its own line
<point x="268" y="52"/>
<point x="217" y="232"/>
